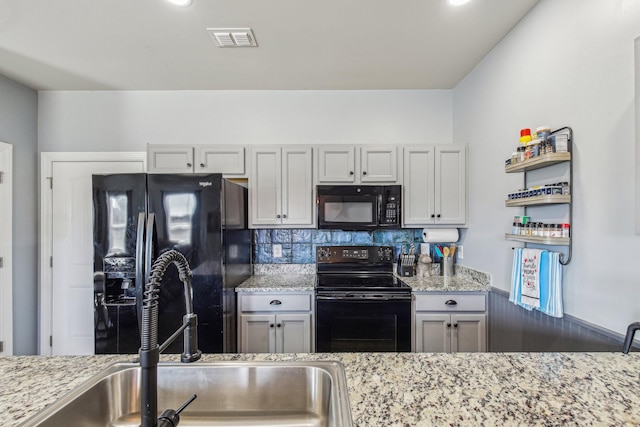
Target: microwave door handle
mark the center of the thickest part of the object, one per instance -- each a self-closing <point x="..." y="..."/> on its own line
<point x="380" y="209"/>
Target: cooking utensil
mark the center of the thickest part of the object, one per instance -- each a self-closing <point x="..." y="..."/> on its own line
<point x="452" y="251"/>
<point x="445" y="251"/>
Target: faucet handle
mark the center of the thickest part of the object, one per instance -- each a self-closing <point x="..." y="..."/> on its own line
<point x="171" y="418"/>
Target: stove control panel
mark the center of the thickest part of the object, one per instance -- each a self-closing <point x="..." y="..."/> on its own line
<point x="354" y="254"/>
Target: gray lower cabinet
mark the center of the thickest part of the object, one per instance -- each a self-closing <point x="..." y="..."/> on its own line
<point x="275" y="323"/>
<point x="450" y="322"/>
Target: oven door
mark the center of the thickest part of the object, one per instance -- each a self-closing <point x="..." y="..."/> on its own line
<point x="346" y="212"/>
<point x="363" y="324"/>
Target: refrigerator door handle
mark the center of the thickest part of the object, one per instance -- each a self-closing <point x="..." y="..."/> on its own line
<point x="140" y="272"/>
<point x="140" y="248"/>
<point x="148" y="256"/>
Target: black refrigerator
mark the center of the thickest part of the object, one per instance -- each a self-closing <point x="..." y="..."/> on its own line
<point x="138" y="216"/>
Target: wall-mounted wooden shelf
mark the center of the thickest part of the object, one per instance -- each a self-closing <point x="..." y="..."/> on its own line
<point x="558" y="241"/>
<point x="552" y="199"/>
<point x="538" y="162"/>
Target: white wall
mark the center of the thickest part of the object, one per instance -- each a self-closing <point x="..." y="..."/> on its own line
<point x="128" y="120"/>
<point x="18" y="109"/>
<point x="568" y="63"/>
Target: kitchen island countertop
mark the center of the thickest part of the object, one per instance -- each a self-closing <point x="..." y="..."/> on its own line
<point x="405" y="389"/>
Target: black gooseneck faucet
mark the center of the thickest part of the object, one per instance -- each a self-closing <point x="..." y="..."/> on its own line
<point x="150" y="350"/>
<point x="628" y="340"/>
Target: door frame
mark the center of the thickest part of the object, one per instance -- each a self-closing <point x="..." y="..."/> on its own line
<point x="6" y="250"/>
<point x="47" y="160"/>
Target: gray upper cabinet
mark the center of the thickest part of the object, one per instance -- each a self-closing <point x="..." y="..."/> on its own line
<point x="169" y="159"/>
<point x="435" y="185"/>
<point x="344" y="164"/>
<point x="281" y="192"/>
<point x="228" y="160"/>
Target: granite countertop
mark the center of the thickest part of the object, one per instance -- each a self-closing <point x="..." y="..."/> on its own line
<point x="278" y="283"/>
<point x="296" y="278"/>
<point x="405" y="389"/>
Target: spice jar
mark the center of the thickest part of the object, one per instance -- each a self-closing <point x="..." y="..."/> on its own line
<point x="521" y="154"/>
<point x="525" y="136"/>
<point x="565" y="230"/>
<point x="535" y="148"/>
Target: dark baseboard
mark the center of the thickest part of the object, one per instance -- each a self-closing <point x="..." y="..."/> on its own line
<point x="514" y="329"/>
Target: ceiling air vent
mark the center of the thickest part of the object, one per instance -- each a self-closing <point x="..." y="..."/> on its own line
<point x="233" y="37"/>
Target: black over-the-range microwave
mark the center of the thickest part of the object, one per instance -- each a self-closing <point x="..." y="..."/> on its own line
<point x="359" y="207"/>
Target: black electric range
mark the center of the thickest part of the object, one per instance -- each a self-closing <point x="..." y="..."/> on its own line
<point x="360" y="304"/>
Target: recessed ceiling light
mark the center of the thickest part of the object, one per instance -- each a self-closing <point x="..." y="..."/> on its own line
<point x="183" y="3"/>
<point x="458" y="2"/>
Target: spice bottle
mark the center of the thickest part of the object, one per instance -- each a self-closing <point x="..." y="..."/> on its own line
<point x="565" y="230"/>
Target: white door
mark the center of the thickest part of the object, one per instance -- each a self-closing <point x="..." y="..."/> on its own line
<point x="72" y="252"/>
<point x="469" y="333"/>
<point x="265" y="186"/>
<point x="336" y="164"/>
<point x="293" y="333"/>
<point x="257" y="333"/>
<point x="433" y="333"/>
<point x="6" y="281"/>
<point x="417" y="202"/>
<point x="451" y="185"/>
<point x="170" y="158"/>
<point x="225" y="159"/>
<point x="297" y="187"/>
<point x="379" y="164"/>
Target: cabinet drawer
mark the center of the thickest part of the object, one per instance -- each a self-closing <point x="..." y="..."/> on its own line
<point x="275" y="302"/>
<point x="457" y="302"/>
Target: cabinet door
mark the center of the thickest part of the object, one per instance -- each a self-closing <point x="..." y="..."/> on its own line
<point x="293" y="333"/>
<point x="257" y="333"/>
<point x="379" y="164"/>
<point x="297" y="187"/>
<point x="418" y="197"/>
<point x="432" y="333"/>
<point x="336" y="164"/>
<point x="469" y="333"/>
<point x="265" y="186"/>
<point x="225" y="159"/>
<point x="451" y="185"/>
<point x="169" y="159"/>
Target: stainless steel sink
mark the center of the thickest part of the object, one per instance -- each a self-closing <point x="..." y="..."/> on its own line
<point x="288" y="394"/>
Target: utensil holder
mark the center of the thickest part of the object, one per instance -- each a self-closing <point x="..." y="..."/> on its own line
<point x="446" y="267"/>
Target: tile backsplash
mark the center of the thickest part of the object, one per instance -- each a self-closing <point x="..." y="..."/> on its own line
<point x="299" y="245"/>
